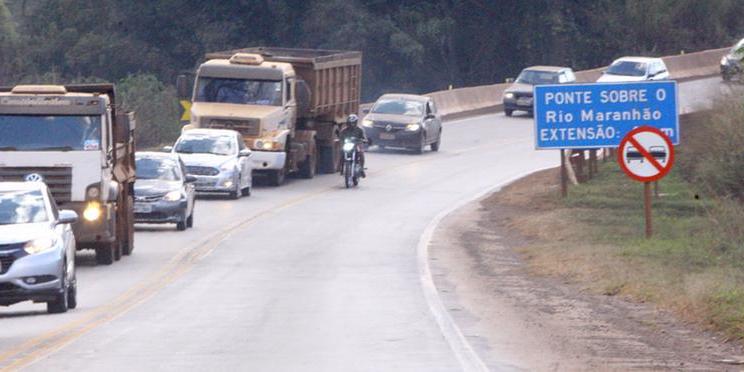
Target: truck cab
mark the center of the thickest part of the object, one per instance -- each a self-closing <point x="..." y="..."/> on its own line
<point x="72" y="140"/>
<point x="255" y="98"/>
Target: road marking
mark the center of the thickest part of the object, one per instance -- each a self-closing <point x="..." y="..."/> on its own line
<point x="466" y="355"/>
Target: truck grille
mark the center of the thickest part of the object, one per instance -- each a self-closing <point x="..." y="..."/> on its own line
<point x="246" y="127"/>
<point x="59" y="179"/>
<point x="202" y="171"/>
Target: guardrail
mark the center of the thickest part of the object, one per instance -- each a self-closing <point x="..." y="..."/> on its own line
<point x="461" y="102"/>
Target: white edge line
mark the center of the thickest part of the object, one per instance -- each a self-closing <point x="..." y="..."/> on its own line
<point x="466" y="355"/>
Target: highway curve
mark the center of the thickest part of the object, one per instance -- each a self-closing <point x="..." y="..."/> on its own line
<point x="308" y="276"/>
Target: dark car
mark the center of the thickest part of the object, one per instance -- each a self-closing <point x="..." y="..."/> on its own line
<point x="731" y="62"/>
<point x="163" y="192"/>
<point x="404" y="121"/>
<point x="518" y="97"/>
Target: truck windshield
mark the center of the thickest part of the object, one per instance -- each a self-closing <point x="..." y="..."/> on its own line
<point x="239" y="91"/>
<point x="50" y="133"/>
<point x="398" y="107"/>
<point x="17" y="207"/>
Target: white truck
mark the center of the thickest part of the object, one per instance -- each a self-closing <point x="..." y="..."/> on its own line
<point x="287" y="103"/>
<point x="74" y="139"/>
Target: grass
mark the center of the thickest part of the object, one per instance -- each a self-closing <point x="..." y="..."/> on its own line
<point x="693" y="265"/>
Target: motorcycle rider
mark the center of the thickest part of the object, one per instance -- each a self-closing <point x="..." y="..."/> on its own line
<point x="352" y="130"/>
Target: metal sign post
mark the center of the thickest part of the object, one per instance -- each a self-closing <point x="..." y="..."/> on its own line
<point x="646" y="154"/>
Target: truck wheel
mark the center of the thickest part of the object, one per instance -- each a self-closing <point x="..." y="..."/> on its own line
<point x="128" y="245"/>
<point x="276" y="177"/>
<point x="105" y="253"/>
<point x="308" y="167"/>
<point x="327" y="159"/>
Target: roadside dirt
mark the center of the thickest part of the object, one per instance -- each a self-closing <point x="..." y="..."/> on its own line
<point x="518" y="319"/>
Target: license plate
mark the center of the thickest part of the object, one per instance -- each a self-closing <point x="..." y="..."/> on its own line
<point x="524" y="101"/>
<point x="387" y="136"/>
<point x="142" y="208"/>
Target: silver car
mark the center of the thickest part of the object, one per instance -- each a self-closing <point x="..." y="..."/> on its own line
<point x="219" y="159"/>
<point x="37" y="248"/>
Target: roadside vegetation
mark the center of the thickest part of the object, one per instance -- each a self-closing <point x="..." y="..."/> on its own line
<point x="693" y="265"/>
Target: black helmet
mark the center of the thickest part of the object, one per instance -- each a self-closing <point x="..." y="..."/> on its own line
<point x="352" y="120"/>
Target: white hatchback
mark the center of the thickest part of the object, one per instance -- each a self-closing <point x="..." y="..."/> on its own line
<point x="635" y="69"/>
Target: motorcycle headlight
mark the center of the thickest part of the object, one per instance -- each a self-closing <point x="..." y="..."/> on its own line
<point x="174" y="195"/>
<point x="40" y="245"/>
<point x="368" y="123"/>
<point x="92" y="211"/>
<point x="348" y="146"/>
<point x="413" y="127"/>
<point x="509" y="95"/>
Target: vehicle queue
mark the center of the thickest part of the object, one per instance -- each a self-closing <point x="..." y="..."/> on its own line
<point x="37" y="243"/>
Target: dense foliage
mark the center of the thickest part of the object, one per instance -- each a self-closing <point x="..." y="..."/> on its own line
<point x="408" y="45"/>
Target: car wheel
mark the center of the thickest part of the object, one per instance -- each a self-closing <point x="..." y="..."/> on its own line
<point x="181" y="225"/>
<point x="420" y="148"/>
<point x="435" y="145"/>
<point x="276" y="177"/>
<point x="105" y="253"/>
<point x="508" y="112"/>
<point x="72" y="297"/>
<point x="247" y="191"/>
<point x="60" y="303"/>
<point x="190" y="220"/>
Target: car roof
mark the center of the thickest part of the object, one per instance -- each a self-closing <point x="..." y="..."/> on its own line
<point x="548" y="68"/>
<point x="22" y="186"/>
<point x="209" y="132"/>
<point x="155" y="155"/>
<point x="408" y="97"/>
<point x="638" y="59"/>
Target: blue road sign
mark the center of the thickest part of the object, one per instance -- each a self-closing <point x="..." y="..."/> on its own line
<point x="582" y="116"/>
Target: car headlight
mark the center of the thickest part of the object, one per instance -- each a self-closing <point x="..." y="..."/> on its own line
<point x="368" y="123"/>
<point x="413" y="127"/>
<point x="92" y="211"/>
<point x="348" y="146"/>
<point x="267" y="145"/>
<point x="509" y="95"/>
<point x="40" y="245"/>
<point x="174" y="195"/>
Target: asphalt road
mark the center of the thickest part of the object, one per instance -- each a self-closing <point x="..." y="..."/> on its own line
<point x="309" y="276"/>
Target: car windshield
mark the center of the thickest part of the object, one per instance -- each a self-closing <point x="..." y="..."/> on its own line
<point x="50" y="133"/>
<point x="157" y="169"/>
<point x="627" y="68"/>
<point x="398" y="107"/>
<point x="239" y="91"/>
<point x="18" y="207"/>
<point x="533" y="77"/>
<point x="206" y="145"/>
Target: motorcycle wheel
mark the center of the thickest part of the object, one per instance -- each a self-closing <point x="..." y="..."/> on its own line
<point x="347" y="175"/>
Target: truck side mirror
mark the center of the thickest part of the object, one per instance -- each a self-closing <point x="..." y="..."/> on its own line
<point x="182" y="87"/>
<point x="124" y="126"/>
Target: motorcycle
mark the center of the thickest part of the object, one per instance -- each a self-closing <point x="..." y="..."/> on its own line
<point x="352" y="167"/>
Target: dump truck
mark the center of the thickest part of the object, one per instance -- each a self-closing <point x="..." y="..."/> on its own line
<point x="76" y="140"/>
<point x="288" y="104"/>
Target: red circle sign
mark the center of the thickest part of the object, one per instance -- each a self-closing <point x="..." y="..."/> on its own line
<point x="646" y="154"/>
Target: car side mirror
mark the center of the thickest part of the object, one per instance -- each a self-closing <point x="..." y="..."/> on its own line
<point x="365" y="111"/>
<point x="429" y="117"/>
<point x="167" y="148"/>
<point x="509" y="80"/>
<point x="191" y="179"/>
<point x="67" y="217"/>
<point x="245" y="153"/>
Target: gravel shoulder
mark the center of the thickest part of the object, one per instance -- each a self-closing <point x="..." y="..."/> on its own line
<point x="520" y="319"/>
